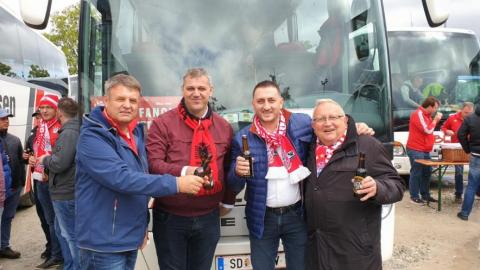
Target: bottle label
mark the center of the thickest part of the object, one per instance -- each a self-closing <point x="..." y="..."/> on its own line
<point x="357" y="182"/>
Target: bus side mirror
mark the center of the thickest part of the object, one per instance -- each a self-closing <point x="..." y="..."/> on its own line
<point x="35" y="13"/>
<point x="436" y="11"/>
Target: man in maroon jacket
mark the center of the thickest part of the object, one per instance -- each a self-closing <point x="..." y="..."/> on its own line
<point x="186" y="228"/>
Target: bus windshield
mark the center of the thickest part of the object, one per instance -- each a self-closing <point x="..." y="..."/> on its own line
<point x="313" y="49"/>
<point x="425" y="62"/>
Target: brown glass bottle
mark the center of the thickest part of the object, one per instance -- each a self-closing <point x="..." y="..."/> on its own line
<point x="360" y="174"/>
<point x="246" y="155"/>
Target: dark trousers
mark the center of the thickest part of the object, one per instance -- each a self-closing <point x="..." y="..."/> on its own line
<point x="49" y="214"/>
<point x="9" y="211"/>
<point x="43" y="222"/>
<point x="185" y="243"/>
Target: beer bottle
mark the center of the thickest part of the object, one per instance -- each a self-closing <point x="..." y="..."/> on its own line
<point x="246" y="155"/>
<point x="360" y="173"/>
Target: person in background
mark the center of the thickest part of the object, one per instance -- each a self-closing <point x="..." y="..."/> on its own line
<point x="38" y="207"/>
<point x="469" y="137"/>
<point x="410" y="92"/>
<point x="61" y="174"/>
<point x="44" y="142"/>
<point x="5" y="180"/>
<point x="113" y="185"/>
<point x="450" y="128"/>
<point x="344" y="230"/>
<point x="419" y="145"/>
<point x="14" y="150"/>
<point x="186" y="229"/>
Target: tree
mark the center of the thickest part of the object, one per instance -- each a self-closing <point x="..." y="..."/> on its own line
<point x="64" y="34"/>
<point x="6" y="70"/>
<point x="37" y="72"/>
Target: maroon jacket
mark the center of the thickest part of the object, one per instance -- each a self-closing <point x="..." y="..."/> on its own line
<point x="168" y="150"/>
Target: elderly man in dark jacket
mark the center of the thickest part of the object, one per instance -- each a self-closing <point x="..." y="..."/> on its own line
<point x="469" y="137"/>
<point x="344" y="230"/>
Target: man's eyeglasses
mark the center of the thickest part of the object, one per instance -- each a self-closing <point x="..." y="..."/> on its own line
<point x="330" y="118"/>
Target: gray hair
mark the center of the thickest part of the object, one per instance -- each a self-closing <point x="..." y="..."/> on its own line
<point x="328" y="100"/>
<point x="125" y="80"/>
<point x="196" y="73"/>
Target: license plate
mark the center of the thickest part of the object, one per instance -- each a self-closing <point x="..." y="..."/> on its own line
<point x="243" y="262"/>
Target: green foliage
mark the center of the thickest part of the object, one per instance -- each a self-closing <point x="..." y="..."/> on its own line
<point x="6" y="70"/>
<point x="64" y="34"/>
<point x="37" y="72"/>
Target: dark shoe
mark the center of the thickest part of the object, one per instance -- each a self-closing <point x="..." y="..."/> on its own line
<point x="45" y="254"/>
<point x="50" y="263"/>
<point x="430" y="199"/>
<point x="417" y="201"/>
<point x="458" y="198"/>
<point x="9" y="253"/>
<point x="478" y="193"/>
<point x="462" y="217"/>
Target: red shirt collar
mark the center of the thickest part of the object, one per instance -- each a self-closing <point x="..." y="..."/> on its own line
<point x="129" y="138"/>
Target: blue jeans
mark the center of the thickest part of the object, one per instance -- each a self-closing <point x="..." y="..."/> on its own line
<point x="185" y="243"/>
<point x="419" y="174"/>
<point x="9" y="210"/>
<point x="107" y="261"/>
<point x="49" y="214"/>
<point x="291" y="228"/>
<point x="458" y="180"/>
<point x="472" y="186"/>
<point x="65" y="216"/>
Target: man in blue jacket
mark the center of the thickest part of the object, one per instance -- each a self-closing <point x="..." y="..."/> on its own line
<point x="112" y="180"/>
<point x="278" y="142"/>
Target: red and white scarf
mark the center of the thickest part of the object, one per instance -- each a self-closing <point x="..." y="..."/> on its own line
<point x="202" y="141"/>
<point x="43" y="144"/>
<point x="283" y="160"/>
<point x="324" y="153"/>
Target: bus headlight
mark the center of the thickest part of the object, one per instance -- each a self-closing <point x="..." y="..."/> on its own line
<point x="398" y="149"/>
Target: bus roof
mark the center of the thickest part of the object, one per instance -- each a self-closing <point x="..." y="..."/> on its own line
<point x="27" y="84"/>
<point x="431" y="30"/>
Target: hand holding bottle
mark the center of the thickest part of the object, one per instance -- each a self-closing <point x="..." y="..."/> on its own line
<point x="190" y="184"/>
<point x="367" y="188"/>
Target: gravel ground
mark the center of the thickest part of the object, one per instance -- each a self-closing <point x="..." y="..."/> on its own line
<point x="430" y="240"/>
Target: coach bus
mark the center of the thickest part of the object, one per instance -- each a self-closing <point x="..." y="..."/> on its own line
<point x="312" y="48"/>
<point x="25" y="55"/>
<point x="446" y="58"/>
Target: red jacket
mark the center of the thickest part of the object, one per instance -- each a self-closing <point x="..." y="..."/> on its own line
<point x="420" y="136"/>
<point x="168" y="149"/>
<point x="453" y="123"/>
